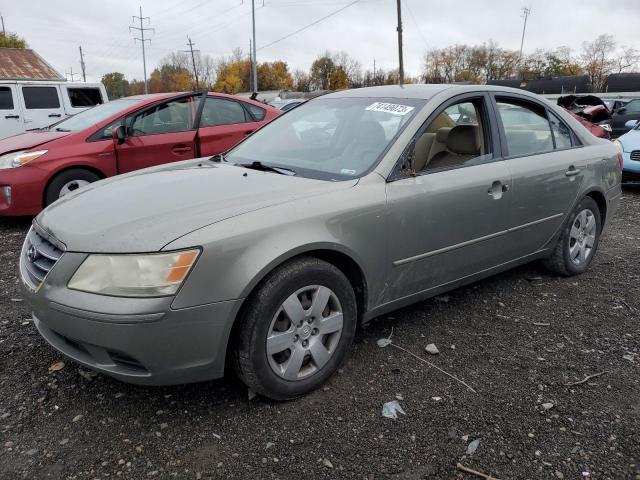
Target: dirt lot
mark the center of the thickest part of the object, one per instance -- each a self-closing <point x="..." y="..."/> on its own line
<point x="517" y="339"/>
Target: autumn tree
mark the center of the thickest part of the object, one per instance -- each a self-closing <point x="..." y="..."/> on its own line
<point x="301" y="81"/>
<point x="169" y="78"/>
<point x="11" y="40"/>
<point x="233" y="76"/>
<point x="274" y="76"/>
<point x="115" y="84"/>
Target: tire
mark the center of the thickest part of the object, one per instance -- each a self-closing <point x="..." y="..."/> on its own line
<point x="569" y="257"/>
<point x="301" y="334"/>
<point x="67" y="181"/>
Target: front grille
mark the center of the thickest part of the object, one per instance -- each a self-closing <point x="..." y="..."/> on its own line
<point x="635" y="155"/>
<point x="39" y="254"/>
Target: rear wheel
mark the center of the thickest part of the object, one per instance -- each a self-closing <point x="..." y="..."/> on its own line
<point x="67" y="182"/>
<point x="296" y="329"/>
<point x="578" y="240"/>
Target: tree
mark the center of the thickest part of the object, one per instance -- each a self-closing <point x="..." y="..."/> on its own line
<point x="321" y="70"/>
<point x="116" y="85"/>
<point x="233" y="76"/>
<point x="597" y="60"/>
<point x="11" y="40"/>
<point x="169" y="78"/>
<point x="274" y="76"/>
<point x="301" y="81"/>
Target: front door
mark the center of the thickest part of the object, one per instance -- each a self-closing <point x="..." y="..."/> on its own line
<point x="224" y="122"/>
<point x="11" y="121"/>
<point x="547" y="167"/>
<point x="448" y="218"/>
<point x="160" y="134"/>
<point x="42" y="105"/>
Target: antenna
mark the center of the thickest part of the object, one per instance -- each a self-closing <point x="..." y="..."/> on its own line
<point x="142" y="29"/>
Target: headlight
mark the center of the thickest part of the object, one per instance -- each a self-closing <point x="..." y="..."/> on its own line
<point x="618" y="144"/>
<point x="148" y="275"/>
<point x="18" y="159"/>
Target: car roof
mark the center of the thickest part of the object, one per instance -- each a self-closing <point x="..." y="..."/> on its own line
<point x="420" y="91"/>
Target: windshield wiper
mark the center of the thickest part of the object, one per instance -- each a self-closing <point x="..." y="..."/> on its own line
<point x="218" y="158"/>
<point x="58" y="129"/>
<point x="267" y="168"/>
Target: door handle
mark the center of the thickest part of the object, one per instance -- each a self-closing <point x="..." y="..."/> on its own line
<point x="12" y="116"/>
<point x="51" y="115"/>
<point x="496" y="189"/>
<point x="572" y="171"/>
<point x="181" y="149"/>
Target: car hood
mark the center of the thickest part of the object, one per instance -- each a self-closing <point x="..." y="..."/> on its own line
<point x="145" y="210"/>
<point x="28" y="140"/>
<point x="630" y="140"/>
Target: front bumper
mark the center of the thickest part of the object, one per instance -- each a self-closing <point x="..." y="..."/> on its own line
<point x="630" y="168"/>
<point x="136" y="340"/>
<point x="27" y="190"/>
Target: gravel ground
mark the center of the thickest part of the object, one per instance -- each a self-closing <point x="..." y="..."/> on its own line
<point x="517" y="339"/>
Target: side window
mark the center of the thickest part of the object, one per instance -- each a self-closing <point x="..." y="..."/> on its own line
<point x="220" y="111"/>
<point x="84" y="97"/>
<point x="561" y="133"/>
<point x="40" y="97"/>
<point x="526" y="127"/>
<point x="168" y="117"/>
<point x="6" y="99"/>
<point x="633" y="106"/>
<point x="257" y="112"/>
<point x="458" y="136"/>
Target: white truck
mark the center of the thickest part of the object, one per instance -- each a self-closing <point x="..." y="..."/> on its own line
<point x="29" y="105"/>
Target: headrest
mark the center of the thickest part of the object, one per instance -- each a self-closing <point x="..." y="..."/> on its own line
<point x="442" y="134"/>
<point x="164" y="115"/>
<point x="462" y="140"/>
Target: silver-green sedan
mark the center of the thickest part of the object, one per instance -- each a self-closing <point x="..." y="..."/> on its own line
<point x="269" y="257"/>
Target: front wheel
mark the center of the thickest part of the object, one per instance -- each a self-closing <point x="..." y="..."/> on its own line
<point x="578" y="240"/>
<point x="296" y="329"/>
<point x="67" y="182"/>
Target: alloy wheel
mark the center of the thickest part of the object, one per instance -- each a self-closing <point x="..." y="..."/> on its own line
<point x="304" y="333"/>
<point x="582" y="237"/>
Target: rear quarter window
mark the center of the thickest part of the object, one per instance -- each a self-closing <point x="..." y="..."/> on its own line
<point x="257" y="112"/>
<point x="84" y="97"/>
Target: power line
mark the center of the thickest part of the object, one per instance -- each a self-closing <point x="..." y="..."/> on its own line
<point x="142" y="29"/>
<point x="415" y="22"/>
<point x="335" y="12"/>
<point x="72" y="75"/>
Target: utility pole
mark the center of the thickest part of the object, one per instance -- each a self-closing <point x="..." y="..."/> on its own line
<point x="401" y="69"/>
<point x="84" y="74"/>
<point x="251" y="65"/>
<point x="254" y="66"/>
<point x="142" y="29"/>
<point x="2" y="19"/>
<point x="72" y="75"/>
<point x="525" y="14"/>
<point x="190" y="44"/>
<point x="374" y="70"/>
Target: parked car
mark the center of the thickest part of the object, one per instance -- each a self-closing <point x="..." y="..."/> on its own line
<point x="287" y="104"/>
<point x="29" y="105"/>
<point x="630" y="111"/>
<point x="37" y="168"/>
<point x="272" y="254"/>
<point x="630" y="145"/>
<point x="591" y="111"/>
<point x="600" y="131"/>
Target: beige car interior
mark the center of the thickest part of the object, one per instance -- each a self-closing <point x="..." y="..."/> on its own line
<point x="446" y="144"/>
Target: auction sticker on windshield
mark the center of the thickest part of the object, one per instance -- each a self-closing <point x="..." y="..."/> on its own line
<point x="392" y="108"/>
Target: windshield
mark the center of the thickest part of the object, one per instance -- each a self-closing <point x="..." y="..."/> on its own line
<point x="94" y="115"/>
<point x="329" y="138"/>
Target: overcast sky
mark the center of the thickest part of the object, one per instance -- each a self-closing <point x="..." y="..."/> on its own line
<point x="366" y="29"/>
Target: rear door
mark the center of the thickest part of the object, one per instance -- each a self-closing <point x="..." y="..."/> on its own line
<point x="42" y="105"/>
<point x="547" y="165"/>
<point x="159" y="134"/>
<point x="11" y="121"/>
<point x="224" y="123"/>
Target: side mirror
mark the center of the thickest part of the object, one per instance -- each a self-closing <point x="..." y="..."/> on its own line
<point x="119" y="135"/>
<point x="631" y="124"/>
<point x="621" y="110"/>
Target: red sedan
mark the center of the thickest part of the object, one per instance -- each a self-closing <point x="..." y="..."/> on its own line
<point x="37" y="168"/>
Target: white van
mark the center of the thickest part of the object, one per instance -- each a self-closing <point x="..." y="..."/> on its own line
<point x="29" y="105"/>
